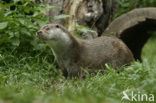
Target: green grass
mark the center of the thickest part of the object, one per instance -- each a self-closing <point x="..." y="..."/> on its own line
<point x="149" y="51"/>
<point x="26" y="78"/>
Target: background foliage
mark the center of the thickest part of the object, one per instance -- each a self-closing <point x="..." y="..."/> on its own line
<point x="29" y="74"/>
<point x="127" y="5"/>
<point x="19" y="21"/>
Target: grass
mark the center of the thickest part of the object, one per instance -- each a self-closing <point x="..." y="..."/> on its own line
<point x="26" y="78"/>
<point x="149" y="51"/>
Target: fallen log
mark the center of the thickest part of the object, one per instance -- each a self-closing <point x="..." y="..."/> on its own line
<point x="134" y="28"/>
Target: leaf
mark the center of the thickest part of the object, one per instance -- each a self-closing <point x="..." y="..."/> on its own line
<point x="37" y="45"/>
<point x="63" y="16"/>
<point x="27" y="10"/>
<point x="15" y="1"/>
<point x="22" y="21"/>
<point x="3" y="25"/>
<point x="35" y="14"/>
<point x="25" y="31"/>
<point x="11" y="34"/>
<point x="15" y="42"/>
<point x="83" y="29"/>
<point x="53" y="7"/>
<point x="7" y="13"/>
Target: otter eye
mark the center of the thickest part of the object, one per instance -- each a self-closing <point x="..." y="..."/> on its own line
<point x="57" y="26"/>
<point x="47" y="29"/>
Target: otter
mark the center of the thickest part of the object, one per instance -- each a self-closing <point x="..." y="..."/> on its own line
<point x="74" y="56"/>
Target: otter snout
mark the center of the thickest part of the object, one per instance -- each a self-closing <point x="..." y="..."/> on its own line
<point x="39" y="33"/>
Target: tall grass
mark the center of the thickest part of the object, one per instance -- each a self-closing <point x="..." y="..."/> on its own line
<point x="36" y="79"/>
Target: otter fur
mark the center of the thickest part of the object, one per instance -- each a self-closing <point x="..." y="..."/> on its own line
<point x="74" y="55"/>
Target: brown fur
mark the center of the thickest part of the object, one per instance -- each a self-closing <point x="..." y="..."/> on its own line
<point x="90" y="54"/>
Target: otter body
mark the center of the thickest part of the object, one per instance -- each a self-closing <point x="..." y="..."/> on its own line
<point x="72" y="54"/>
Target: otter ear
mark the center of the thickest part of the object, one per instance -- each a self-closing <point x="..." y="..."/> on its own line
<point x="57" y="26"/>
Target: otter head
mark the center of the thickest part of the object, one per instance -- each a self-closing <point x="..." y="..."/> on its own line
<point x="53" y="33"/>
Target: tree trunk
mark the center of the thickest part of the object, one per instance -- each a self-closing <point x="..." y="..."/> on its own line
<point x="94" y="14"/>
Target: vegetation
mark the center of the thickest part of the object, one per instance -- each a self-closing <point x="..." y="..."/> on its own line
<point x="29" y="73"/>
<point x="127" y="5"/>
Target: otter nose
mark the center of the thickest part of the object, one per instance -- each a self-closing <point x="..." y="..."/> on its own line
<point x="39" y="33"/>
